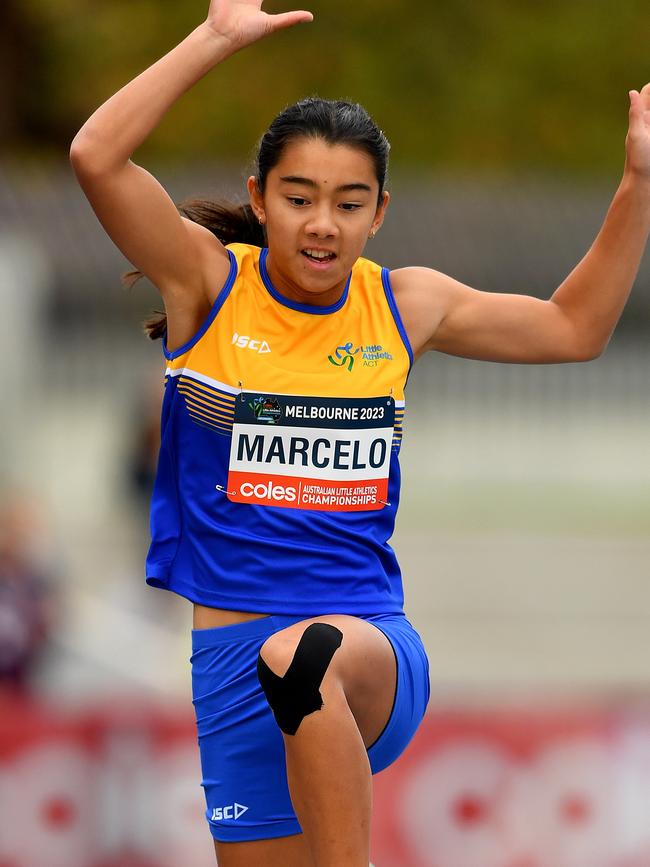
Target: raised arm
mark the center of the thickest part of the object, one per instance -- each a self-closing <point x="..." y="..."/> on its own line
<point x="576" y="323"/>
<point x="183" y="259"/>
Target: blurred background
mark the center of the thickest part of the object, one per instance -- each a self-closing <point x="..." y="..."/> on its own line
<point x="524" y="530"/>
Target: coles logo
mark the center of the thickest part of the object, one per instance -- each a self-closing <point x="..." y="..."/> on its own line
<point x="269" y="492"/>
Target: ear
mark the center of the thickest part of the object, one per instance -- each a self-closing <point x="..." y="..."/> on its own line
<point x="380" y="214"/>
<point x="256" y="199"/>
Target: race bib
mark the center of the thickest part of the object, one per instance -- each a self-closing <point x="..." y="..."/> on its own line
<point x="330" y="454"/>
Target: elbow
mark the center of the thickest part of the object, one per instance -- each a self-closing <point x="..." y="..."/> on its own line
<point x="592" y="356"/>
<point x="580" y="337"/>
<point x="87" y="156"/>
<point x="586" y="343"/>
<point x="80" y="146"/>
<point x="81" y="154"/>
<point x="590" y="351"/>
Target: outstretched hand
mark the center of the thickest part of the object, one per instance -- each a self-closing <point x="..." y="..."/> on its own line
<point x="242" y="22"/>
<point x="637" y="143"/>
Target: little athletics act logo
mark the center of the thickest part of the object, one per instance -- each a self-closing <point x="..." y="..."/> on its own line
<point x="371" y="355"/>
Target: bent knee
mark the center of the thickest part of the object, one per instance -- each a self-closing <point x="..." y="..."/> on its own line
<point x="278" y="651"/>
<point x="302" y="646"/>
<point x="291" y="668"/>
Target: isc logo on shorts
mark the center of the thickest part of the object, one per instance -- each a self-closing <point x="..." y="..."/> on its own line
<point x="232" y="811"/>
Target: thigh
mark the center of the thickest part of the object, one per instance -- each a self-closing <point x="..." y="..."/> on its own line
<point x="281" y="852"/>
<point x="412" y="694"/>
<point x="242" y="750"/>
<point x="385" y="671"/>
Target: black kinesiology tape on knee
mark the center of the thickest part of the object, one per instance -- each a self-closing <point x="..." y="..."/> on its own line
<point x="297" y="694"/>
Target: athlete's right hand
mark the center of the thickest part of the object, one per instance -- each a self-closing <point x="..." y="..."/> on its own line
<point x="242" y="22"/>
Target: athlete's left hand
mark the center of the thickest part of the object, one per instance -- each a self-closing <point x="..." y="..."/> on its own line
<point x="637" y="142"/>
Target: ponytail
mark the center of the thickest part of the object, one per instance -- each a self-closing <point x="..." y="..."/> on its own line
<point x="229" y="222"/>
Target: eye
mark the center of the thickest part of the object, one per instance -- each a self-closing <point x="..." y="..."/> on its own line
<point x="298" y="201"/>
<point x="350" y="206"/>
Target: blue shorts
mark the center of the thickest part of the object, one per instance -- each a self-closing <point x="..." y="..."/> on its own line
<point x="242" y="748"/>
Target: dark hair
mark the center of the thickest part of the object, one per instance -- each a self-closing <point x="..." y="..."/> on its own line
<point x="334" y="121"/>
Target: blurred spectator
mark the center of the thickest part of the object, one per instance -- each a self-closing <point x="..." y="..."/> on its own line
<point x="145" y="442"/>
<point x="27" y="593"/>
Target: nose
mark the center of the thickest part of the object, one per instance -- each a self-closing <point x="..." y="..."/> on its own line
<point x="321" y="223"/>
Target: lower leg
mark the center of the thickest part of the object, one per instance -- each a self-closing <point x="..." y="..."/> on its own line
<point x="330" y="782"/>
<point x="277" y="852"/>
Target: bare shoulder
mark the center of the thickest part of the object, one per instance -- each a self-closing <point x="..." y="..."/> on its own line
<point x="423" y="296"/>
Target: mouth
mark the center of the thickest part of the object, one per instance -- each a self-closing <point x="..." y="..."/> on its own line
<point x="318" y="259"/>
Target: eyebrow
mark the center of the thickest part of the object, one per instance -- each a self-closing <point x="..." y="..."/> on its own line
<point x="307" y="182"/>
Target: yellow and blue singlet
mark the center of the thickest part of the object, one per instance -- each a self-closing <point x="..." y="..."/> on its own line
<point x="278" y="477"/>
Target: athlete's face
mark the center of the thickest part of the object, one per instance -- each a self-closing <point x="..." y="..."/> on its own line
<point x="319" y="198"/>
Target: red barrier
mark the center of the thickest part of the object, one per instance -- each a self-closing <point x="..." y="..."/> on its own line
<point x="518" y="790"/>
<point x="119" y="787"/>
<point x="112" y="787"/>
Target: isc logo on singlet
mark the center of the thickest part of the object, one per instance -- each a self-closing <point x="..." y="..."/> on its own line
<point x="246" y="342"/>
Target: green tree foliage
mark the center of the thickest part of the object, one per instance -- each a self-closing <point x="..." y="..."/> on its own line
<point x="496" y="86"/>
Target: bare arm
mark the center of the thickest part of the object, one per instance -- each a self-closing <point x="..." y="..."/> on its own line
<point x="576" y="323"/>
<point x="133" y="207"/>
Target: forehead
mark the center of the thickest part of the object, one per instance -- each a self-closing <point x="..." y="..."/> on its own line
<point x="329" y="165"/>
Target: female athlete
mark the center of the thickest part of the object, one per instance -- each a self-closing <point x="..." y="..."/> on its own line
<point x="278" y="478"/>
